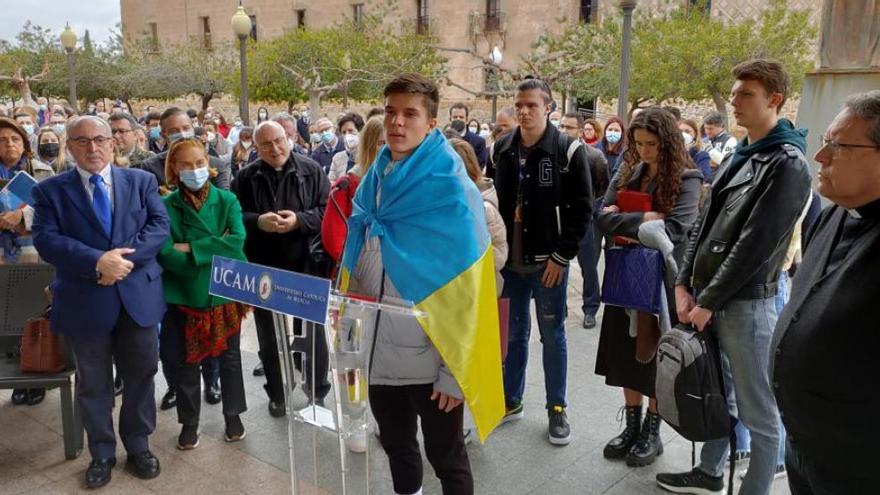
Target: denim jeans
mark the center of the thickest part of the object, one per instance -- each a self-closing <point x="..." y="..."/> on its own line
<point x="743" y="438"/>
<point x="552" y="310"/>
<point x="744" y="329"/>
<point x="588" y="259"/>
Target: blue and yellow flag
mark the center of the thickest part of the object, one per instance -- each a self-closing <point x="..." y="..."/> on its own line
<point x="437" y="252"/>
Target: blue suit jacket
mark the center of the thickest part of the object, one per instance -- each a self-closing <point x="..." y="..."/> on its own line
<point x="67" y="234"/>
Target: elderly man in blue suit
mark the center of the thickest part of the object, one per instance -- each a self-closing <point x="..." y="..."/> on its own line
<point x="101" y="227"/>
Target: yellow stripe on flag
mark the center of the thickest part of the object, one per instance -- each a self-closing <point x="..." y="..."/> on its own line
<point x="462" y="323"/>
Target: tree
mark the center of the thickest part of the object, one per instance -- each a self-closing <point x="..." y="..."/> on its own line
<point x="351" y="59"/>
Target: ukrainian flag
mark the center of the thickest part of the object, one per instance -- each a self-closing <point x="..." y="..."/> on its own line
<point x="437" y="252"/>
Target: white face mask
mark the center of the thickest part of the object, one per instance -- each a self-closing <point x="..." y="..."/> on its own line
<point x="554" y="122"/>
<point x="246" y="144"/>
<point x="688" y="139"/>
<point x="351" y="141"/>
<point x="473" y="129"/>
<point x="211" y="136"/>
<point x="484" y="134"/>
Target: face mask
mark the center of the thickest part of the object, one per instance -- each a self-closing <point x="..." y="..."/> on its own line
<point x="154" y="133"/>
<point x="194" y="179"/>
<point x="351" y="141"/>
<point x="43" y="107"/>
<point x="316" y="137"/>
<point x="246" y="145"/>
<point x="305" y="116"/>
<point x="58" y="128"/>
<point x="238" y="123"/>
<point x="485" y="134"/>
<point x="473" y="129"/>
<point x="49" y="150"/>
<point x="688" y="139"/>
<point x="211" y="136"/>
<point x="29" y="129"/>
<point x="555" y="123"/>
<point x="327" y="137"/>
<point x="177" y="136"/>
<point x="263" y="115"/>
<point x="613" y="137"/>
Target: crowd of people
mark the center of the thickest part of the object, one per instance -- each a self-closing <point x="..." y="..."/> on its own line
<point x="130" y="211"/>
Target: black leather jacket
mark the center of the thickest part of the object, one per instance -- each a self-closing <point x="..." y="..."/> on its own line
<point x="738" y="245"/>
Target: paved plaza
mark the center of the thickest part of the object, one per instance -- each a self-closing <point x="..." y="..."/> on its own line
<point x="516" y="459"/>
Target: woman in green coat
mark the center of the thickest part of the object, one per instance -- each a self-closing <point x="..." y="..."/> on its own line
<point x="205" y="221"/>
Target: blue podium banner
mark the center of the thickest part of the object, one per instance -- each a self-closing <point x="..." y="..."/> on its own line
<point x="295" y="294"/>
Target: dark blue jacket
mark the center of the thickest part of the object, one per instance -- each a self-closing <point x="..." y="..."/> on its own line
<point x="479" y="145"/>
<point x="68" y="235"/>
<point x="701" y="160"/>
<point x="324" y="157"/>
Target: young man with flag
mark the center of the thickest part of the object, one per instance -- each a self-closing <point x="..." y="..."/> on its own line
<point x="418" y="232"/>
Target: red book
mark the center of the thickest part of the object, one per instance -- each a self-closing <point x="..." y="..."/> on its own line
<point x="631" y="202"/>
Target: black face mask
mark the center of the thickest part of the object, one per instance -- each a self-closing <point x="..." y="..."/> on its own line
<point x="49" y="150"/>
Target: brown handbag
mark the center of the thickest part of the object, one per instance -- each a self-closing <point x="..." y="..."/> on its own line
<point x="41" y="350"/>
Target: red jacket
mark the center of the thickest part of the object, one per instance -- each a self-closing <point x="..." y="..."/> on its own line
<point x="334" y="227"/>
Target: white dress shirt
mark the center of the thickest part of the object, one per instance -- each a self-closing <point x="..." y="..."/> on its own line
<point x="90" y="189"/>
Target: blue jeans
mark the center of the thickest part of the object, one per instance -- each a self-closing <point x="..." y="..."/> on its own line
<point x="744" y="329"/>
<point x="743" y="438"/>
<point x="588" y="258"/>
<point x="552" y="310"/>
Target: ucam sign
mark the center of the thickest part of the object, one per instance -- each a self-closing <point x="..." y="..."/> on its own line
<point x="290" y="293"/>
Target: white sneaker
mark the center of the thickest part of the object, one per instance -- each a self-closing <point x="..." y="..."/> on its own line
<point x="357" y="442"/>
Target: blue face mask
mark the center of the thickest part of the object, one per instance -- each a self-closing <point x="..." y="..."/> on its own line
<point x="58" y="128"/>
<point x="327" y="137"/>
<point x="316" y="137"/>
<point x="194" y="179"/>
<point x="154" y="133"/>
<point x="613" y="137"/>
<point x="177" y="136"/>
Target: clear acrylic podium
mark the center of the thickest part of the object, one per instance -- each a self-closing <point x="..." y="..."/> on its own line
<point x="349" y="330"/>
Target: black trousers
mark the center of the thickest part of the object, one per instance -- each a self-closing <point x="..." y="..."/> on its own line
<point x="397" y="410"/>
<point x="189" y="388"/>
<point x="171" y="351"/>
<point x="808" y="477"/>
<point x="135" y="350"/>
<point x="269" y="356"/>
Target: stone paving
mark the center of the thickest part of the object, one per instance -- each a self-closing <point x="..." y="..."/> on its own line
<point x="516" y="459"/>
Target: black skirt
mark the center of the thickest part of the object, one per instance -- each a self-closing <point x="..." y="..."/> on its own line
<point x="616" y="357"/>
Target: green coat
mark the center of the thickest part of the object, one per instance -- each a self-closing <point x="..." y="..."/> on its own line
<point x="216" y="229"/>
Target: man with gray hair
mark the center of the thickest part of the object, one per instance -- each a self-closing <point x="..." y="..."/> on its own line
<point x="330" y="144"/>
<point x="823" y="363"/>
<point x="124" y="128"/>
<point x="101" y="227"/>
<point x="290" y="129"/>
<point x="283" y="196"/>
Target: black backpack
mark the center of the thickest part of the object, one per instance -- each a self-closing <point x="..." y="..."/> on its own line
<point x="690" y="390"/>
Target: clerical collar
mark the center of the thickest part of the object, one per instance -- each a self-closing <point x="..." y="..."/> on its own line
<point x="870" y="211"/>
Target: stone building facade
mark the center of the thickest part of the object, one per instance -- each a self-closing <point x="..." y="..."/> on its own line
<point x="467" y="30"/>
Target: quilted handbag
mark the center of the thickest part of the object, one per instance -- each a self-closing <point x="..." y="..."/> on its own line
<point x="633" y="278"/>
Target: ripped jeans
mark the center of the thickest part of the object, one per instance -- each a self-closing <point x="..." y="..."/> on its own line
<point x="552" y="310"/>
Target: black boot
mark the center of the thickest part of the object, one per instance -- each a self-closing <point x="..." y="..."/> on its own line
<point x="648" y="446"/>
<point x="620" y="445"/>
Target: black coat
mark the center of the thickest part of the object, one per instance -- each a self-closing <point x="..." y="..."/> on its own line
<point x="823" y="360"/>
<point x="303" y="189"/>
<point x="743" y="234"/>
<point x="479" y="145"/>
<point x="557" y="202"/>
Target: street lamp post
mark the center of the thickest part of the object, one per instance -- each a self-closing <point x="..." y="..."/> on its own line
<point x="68" y="41"/>
<point x="622" y="95"/>
<point x="496" y="58"/>
<point x="241" y="24"/>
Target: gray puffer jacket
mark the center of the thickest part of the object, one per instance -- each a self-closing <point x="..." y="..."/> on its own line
<point x="404" y="355"/>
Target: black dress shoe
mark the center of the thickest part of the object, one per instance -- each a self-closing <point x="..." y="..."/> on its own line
<point x="259" y="370"/>
<point x="35" y="396"/>
<point x="212" y="395"/>
<point x="169" y="400"/>
<point x="277" y="409"/>
<point x="19" y="396"/>
<point x="98" y="473"/>
<point x="144" y="465"/>
<point x="117" y="385"/>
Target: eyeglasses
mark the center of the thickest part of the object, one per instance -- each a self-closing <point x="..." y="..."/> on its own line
<point x="835" y="147"/>
<point x="565" y="127"/>
<point x="121" y="131"/>
<point x="97" y="140"/>
<point x="266" y="146"/>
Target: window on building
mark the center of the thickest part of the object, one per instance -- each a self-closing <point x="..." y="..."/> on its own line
<point x="423" y="25"/>
<point x="493" y="15"/>
<point x="301" y="18"/>
<point x="253" y="27"/>
<point x="357" y="11"/>
<point x="154" y="37"/>
<point x="206" y="32"/>
<point x="586" y="12"/>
